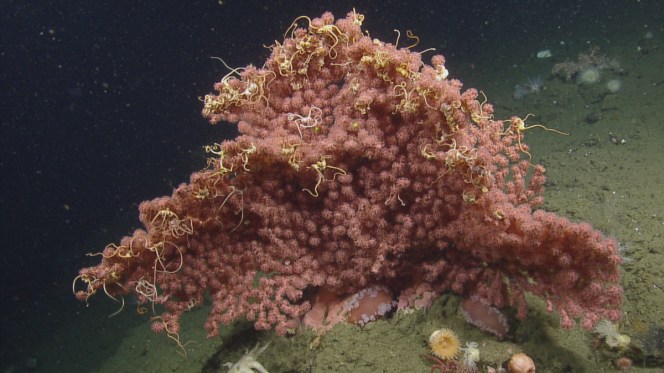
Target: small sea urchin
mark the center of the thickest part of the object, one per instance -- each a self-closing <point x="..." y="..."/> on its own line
<point x="588" y="76"/>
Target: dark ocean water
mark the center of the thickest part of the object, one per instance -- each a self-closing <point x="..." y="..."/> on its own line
<point x="100" y="110"/>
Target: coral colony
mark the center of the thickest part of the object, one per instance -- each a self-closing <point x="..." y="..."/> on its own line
<point x="358" y="166"/>
<point x="587" y="67"/>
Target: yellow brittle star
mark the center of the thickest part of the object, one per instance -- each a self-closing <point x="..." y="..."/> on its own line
<point x="519" y="125"/>
<point x="321" y="166"/>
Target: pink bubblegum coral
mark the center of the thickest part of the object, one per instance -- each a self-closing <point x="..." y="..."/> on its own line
<point x="356" y="165"/>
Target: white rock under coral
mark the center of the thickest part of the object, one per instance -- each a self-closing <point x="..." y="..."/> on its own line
<point x="248" y="362"/>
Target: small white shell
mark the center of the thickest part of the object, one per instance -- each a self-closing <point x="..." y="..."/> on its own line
<point x="544" y="54"/>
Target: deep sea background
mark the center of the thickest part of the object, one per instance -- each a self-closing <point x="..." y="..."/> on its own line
<point x="100" y="110"/>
